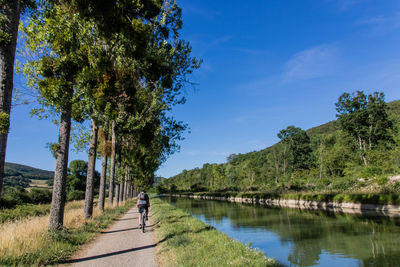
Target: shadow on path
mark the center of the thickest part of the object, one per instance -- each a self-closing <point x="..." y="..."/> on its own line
<point x="126" y="219"/>
<point x="121" y="230"/>
<point x="107" y="254"/>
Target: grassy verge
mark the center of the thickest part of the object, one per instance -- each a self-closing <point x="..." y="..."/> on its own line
<point x="25" y="211"/>
<point x="186" y="241"/>
<point x="366" y="198"/>
<point x="27" y="242"/>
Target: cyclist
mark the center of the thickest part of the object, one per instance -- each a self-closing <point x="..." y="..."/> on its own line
<point x="143" y="202"/>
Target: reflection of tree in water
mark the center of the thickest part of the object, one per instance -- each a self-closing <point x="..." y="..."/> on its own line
<point x="304" y="256"/>
<point x="308" y="232"/>
<point x="382" y="260"/>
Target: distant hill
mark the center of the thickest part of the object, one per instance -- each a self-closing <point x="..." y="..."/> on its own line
<point x="31" y="172"/>
<point x="25" y="176"/>
<point x="266" y="168"/>
<point x="330" y="127"/>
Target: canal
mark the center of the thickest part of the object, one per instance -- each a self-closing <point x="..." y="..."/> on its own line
<point x="302" y="238"/>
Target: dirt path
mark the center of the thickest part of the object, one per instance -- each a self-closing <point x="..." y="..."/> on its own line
<point x="123" y="244"/>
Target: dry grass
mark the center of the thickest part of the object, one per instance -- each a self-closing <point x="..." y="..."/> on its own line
<point x="30" y="235"/>
<point x="38" y="184"/>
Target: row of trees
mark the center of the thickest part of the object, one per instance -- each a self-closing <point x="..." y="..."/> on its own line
<point x="121" y="65"/>
<point x="363" y="142"/>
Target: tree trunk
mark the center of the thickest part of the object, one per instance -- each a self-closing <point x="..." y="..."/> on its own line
<point x="129" y="191"/>
<point x="103" y="176"/>
<point x="362" y="151"/>
<point x="117" y="192"/>
<point x="60" y="174"/>
<point x="121" y="190"/>
<point x="126" y="190"/>
<point x="112" y="164"/>
<point x="320" y="165"/>
<point x="9" y="29"/>
<point x="88" y="209"/>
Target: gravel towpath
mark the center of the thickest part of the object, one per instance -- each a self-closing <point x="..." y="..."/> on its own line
<point x="123" y="244"/>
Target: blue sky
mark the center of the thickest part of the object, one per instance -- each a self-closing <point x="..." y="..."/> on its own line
<point x="267" y="65"/>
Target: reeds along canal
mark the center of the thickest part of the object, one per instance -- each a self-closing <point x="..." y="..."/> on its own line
<point x="303" y="238"/>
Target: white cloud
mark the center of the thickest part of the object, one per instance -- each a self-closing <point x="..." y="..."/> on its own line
<point x="191" y="9"/>
<point x="347" y="4"/>
<point x="315" y="62"/>
<point x="382" y="24"/>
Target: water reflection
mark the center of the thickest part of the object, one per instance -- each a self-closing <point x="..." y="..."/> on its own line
<point x="303" y="238"/>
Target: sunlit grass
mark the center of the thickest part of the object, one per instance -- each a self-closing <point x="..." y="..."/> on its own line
<point x="186" y="241"/>
<point x="28" y="241"/>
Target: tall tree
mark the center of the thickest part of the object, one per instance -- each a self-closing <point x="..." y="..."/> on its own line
<point x="10" y="12"/>
<point x="104" y="155"/>
<point x="112" y="164"/>
<point x="56" y="36"/>
<point x="88" y="208"/>
<point x="299" y="146"/>
<point x="364" y="117"/>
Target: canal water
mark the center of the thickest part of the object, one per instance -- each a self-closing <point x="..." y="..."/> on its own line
<point x="303" y="238"/>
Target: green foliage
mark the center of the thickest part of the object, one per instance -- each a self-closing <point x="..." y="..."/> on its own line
<point x="18" y="196"/>
<point x="76" y="179"/>
<point x="16" y="181"/>
<point x="323" y="159"/>
<point x="39" y="196"/>
<point x="299" y="146"/>
<point x="365" y="118"/>
<point x="23" y="211"/>
<point x="4" y="121"/>
<point x="75" y="195"/>
<point x="26" y="171"/>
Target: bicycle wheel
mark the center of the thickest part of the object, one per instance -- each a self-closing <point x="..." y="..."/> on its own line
<point x="143" y="220"/>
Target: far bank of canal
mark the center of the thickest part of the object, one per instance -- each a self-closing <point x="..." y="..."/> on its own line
<point x="303" y="238"/>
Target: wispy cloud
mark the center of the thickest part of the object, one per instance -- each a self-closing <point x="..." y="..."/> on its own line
<point x="221" y="40"/>
<point x="250" y="51"/>
<point x="347" y="4"/>
<point x="315" y="62"/>
<point x="382" y="24"/>
<point x="193" y="153"/>
<point x="213" y="153"/>
<point x="200" y="11"/>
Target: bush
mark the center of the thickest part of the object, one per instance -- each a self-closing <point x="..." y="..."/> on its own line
<point x="197" y="188"/>
<point x="40" y="196"/>
<point x="75" y="195"/>
<point x="161" y="189"/>
<point x="343" y="184"/>
<point x="14" y="196"/>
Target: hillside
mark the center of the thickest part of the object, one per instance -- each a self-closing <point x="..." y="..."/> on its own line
<point x="334" y="164"/>
<point x="330" y="128"/>
<point x="25" y="176"/>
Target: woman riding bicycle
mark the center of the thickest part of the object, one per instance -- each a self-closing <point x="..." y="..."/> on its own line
<point x="143" y="202"/>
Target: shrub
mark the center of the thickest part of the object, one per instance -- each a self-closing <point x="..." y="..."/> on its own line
<point x="75" y="195"/>
<point x="14" y="196"/>
<point x="197" y="188"/>
<point x="342" y="184"/>
<point x="40" y="196"/>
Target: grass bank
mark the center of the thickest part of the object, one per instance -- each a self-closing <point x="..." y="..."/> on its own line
<point x="365" y="198"/>
<point x="186" y="241"/>
<point x="27" y="242"/>
<point x="25" y="211"/>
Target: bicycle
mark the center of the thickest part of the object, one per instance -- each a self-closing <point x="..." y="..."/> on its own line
<point x="143" y="212"/>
